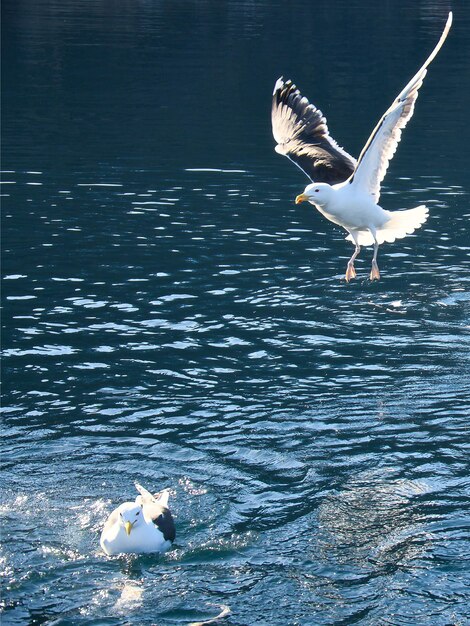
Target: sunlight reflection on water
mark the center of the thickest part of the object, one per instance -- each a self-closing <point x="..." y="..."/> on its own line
<point x="181" y="322"/>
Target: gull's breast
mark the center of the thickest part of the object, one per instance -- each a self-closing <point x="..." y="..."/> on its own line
<point x="354" y="211"/>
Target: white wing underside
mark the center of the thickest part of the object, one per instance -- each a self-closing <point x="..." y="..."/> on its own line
<point x="381" y="146"/>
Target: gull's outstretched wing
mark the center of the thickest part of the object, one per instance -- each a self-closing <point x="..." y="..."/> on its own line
<point x="381" y="146"/>
<point x="301" y="133"/>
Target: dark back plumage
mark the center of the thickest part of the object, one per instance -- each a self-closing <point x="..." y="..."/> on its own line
<point x="165" y="523"/>
<point x="302" y="135"/>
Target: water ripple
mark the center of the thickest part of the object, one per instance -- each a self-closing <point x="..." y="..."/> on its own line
<point x="313" y="433"/>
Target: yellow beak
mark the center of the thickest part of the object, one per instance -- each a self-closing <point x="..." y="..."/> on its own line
<point x="301" y="198"/>
<point x="128" y="527"/>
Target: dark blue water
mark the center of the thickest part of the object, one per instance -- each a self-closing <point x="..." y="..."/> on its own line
<point x="170" y="316"/>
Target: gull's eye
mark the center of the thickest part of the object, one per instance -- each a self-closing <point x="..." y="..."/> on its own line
<point x="138" y="513"/>
<point x="317" y="190"/>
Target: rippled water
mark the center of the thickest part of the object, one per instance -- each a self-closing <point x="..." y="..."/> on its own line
<point x="184" y="324"/>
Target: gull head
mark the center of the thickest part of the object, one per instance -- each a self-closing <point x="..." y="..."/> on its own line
<point x="130" y="516"/>
<point x="316" y="193"/>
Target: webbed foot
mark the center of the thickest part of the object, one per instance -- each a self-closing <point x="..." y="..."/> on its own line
<point x="374" y="273"/>
<point x="350" y="272"/>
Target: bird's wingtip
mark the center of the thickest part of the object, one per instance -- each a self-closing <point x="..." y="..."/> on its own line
<point x="145" y="493"/>
<point x="448" y="25"/>
<point x="279" y="84"/>
<point x="163" y="497"/>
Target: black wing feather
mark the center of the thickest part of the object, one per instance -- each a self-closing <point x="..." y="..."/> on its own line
<point x="166" y="524"/>
<point x="302" y="135"/>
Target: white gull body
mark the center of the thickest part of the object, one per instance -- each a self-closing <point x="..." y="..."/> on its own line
<point x="139" y="527"/>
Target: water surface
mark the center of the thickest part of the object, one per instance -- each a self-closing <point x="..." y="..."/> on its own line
<point x="170" y="316"/>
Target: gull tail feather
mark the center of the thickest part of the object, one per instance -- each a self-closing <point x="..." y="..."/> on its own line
<point x="400" y="224"/>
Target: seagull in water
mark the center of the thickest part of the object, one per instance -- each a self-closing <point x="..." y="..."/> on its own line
<point x="344" y="190"/>
<point x="145" y="525"/>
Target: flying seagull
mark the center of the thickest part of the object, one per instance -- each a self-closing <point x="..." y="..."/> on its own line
<point x="344" y="190"/>
<point x="145" y="525"/>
